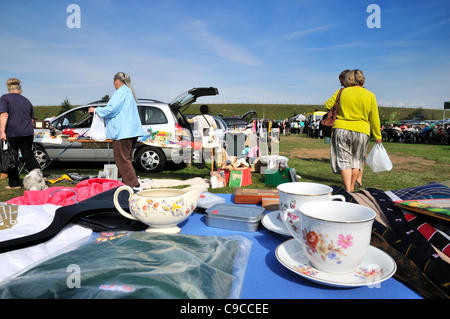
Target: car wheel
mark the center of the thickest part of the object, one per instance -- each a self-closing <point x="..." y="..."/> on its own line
<point x="41" y="156"/>
<point x="150" y="159"/>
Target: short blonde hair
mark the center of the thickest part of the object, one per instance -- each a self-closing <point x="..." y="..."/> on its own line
<point x="355" y="77"/>
<point x="13" y="84"/>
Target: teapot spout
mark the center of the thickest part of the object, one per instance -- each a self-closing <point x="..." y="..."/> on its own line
<point x="195" y="191"/>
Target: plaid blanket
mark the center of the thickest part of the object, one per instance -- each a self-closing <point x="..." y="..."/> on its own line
<point x="428" y="191"/>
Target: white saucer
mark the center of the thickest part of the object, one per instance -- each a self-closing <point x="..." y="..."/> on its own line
<point x="275" y="224"/>
<point x="376" y="267"/>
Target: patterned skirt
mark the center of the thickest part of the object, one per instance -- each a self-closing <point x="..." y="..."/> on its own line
<point x="348" y="149"/>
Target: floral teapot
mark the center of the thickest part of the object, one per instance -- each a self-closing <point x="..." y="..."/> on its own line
<point x="161" y="209"/>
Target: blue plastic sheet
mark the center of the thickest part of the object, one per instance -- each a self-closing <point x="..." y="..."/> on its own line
<point x="139" y="265"/>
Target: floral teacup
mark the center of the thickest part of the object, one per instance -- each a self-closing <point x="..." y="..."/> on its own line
<point x="293" y="194"/>
<point x="335" y="236"/>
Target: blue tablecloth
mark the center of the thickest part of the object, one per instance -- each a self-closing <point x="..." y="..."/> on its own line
<point x="266" y="278"/>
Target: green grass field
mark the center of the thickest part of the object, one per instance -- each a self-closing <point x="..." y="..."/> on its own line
<point x="414" y="165"/>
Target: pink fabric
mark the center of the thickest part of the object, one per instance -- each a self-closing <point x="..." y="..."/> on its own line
<point x="254" y="152"/>
<point x="63" y="196"/>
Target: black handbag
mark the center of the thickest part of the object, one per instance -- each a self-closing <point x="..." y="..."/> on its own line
<point x="8" y="157"/>
<point x="327" y="122"/>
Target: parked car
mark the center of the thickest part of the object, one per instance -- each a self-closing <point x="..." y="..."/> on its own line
<point x="155" y="115"/>
<point x="439" y="122"/>
<point x="238" y="122"/>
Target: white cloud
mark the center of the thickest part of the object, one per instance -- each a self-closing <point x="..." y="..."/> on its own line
<point x="302" y="33"/>
<point x="428" y="29"/>
<point x="222" y="47"/>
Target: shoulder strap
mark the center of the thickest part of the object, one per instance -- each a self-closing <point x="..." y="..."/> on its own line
<point x="338" y="98"/>
<point x="206" y="120"/>
<point x="337" y="102"/>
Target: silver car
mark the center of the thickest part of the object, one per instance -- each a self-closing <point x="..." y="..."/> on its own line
<point x="155" y="116"/>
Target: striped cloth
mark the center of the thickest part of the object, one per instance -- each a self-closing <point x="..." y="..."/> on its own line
<point x="429" y="232"/>
<point x="428" y="191"/>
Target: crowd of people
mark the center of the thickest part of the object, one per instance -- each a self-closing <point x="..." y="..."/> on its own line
<point x="407" y="133"/>
<point x="289" y="127"/>
<point x="298" y="126"/>
<point x="420" y="133"/>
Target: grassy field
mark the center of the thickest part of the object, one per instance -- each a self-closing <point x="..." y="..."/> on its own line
<point x="414" y="165"/>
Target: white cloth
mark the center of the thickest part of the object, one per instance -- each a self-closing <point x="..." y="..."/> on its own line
<point x="31" y="219"/>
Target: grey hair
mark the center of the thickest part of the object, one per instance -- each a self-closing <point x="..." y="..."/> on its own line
<point x="125" y="78"/>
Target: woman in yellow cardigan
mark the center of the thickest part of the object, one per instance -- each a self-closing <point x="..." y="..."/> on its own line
<point x="356" y="120"/>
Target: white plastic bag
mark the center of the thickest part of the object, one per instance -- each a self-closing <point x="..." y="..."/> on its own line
<point x="97" y="131"/>
<point x="378" y="159"/>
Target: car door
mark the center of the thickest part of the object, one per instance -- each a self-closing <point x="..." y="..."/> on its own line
<point x="77" y="120"/>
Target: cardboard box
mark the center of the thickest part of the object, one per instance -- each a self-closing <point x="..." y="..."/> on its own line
<point x="271" y="203"/>
<point x="253" y="196"/>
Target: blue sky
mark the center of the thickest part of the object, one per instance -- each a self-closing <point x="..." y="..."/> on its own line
<point x="282" y="51"/>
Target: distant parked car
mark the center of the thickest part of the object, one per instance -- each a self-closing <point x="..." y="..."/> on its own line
<point x="157" y="115"/>
<point x="238" y="122"/>
<point x="446" y="122"/>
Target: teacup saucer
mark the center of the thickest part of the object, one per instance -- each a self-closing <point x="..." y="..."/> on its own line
<point x="376" y="267"/>
<point x="272" y="222"/>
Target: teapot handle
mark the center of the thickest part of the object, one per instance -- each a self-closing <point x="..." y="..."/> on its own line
<point x="116" y="200"/>
<point x="286" y="220"/>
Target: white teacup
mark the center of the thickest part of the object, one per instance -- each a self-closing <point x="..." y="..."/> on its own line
<point x="293" y="194"/>
<point x="335" y="235"/>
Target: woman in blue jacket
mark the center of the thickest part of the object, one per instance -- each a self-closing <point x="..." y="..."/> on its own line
<point x="123" y="126"/>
